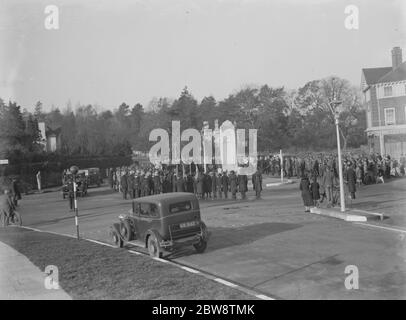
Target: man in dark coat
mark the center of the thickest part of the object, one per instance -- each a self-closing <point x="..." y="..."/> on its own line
<point x="306" y="194"/>
<point x="6" y="207"/>
<point x="180" y="184"/>
<point x="257" y="183"/>
<point x="351" y="179"/>
<point x="214" y="185"/>
<point x="131" y="185"/>
<point x="124" y="185"/>
<point x="219" y="185"/>
<point x="174" y="182"/>
<point x="15" y="191"/>
<point x="190" y="184"/>
<point x="157" y="183"/>
<point x="233" y="184"/>
<point x="225" y="184"/>
<point x="137" y="189"/>
<point x="242" y="181"/>
<point x="199" y="185"/>
<point x="207" y="185"/>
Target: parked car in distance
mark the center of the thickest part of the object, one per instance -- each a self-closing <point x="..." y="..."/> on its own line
<point x="93" y="176"/>
<point x="163" y="222"/>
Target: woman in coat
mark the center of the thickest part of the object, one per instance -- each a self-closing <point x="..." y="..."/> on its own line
<point x="306" y="193"/>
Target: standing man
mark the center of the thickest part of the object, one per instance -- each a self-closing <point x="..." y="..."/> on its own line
<point x="233" y="184"/>
<point x="131" y="185"/>
<point x="219" y="185"/>
<point x="351" y="178"/>
<point x="328" y="182"/>
<point x="39" y="181"/>
<point x="124" y="185"/>
<point x="15" y="190"/>
<point x="242" y="181"/>
<point x="225" y="182"/>
<point x="257" y="183"/>
<point x="214" y="185"/>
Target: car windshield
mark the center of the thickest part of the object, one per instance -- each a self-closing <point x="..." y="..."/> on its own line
<point x="180" y="206"/>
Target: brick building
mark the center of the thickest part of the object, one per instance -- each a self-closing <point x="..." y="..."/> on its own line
<point x="384" y="93"/>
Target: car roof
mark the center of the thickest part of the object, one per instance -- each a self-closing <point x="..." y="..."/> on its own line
<point x="167" y="197"/>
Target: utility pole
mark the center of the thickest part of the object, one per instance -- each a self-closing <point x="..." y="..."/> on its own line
<point x="333" y="104"/>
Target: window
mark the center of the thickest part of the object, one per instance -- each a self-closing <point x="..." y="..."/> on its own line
<point x="148" y="210"/>
<point x="180" y="206"/>
<point x="389" y="116"/>
<point x="387" y="91"/>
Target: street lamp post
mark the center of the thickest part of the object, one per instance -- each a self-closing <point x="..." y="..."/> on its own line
<point x="340" y="165"/>
<point x="74" y="170"/>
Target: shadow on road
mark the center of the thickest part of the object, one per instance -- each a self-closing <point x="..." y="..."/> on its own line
<point x="221" y="237"/>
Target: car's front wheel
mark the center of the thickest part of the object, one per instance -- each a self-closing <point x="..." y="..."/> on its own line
<point x="154" y="249"/>
<point x="117" y="241"/>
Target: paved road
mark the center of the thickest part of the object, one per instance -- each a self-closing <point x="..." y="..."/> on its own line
<point x="270" y="245"/>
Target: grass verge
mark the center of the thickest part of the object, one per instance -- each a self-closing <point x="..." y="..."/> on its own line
<point x="91" y="271"/>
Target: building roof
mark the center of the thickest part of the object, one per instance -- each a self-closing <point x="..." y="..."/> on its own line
<point x="385" y="74"/>
<point x="372" y="75"/>
<point x="399" y="74"/>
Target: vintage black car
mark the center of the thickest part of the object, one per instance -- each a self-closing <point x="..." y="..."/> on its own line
<point x="93" y="176"/>
<point x="161" y="223"/>
<point x="81" y="182"/>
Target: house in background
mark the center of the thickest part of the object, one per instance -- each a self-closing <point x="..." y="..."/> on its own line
<point x="384" y="94"/>
<point x="50" y="138"/>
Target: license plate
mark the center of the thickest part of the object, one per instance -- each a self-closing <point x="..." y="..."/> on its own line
<point x="187" y="224"/>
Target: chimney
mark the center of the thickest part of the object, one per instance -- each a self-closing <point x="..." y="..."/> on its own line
<point x="396" y="57"/>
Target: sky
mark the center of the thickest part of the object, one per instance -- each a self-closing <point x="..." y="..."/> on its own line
<point x="107" y="52"/>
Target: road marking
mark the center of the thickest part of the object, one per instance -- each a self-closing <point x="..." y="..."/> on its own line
<point x="190" y="269"/>
<point x="52" y="232"/>
<point x="135" y="252"/>
<point x="161" y="260"/>
<point x="99" y="242"/>
<point x="381" y="227"/>
<point x="264" y="297"/>
<point x="225" y="282"/>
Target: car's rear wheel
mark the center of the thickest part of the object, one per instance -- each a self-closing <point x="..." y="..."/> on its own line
<point x="117" y="241"/>
<point x="200" y="246"/>
<point x="154" y="248"/>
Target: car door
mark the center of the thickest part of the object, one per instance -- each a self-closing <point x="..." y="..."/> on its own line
<point x="147" y="218"/>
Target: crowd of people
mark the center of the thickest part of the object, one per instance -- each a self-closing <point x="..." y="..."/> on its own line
<point x="208" y="183"/>
<point x="319" y="173"/>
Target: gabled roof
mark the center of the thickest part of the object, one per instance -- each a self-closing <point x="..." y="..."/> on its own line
<point x="372" y="75"/>
<point x="399" y="74"/>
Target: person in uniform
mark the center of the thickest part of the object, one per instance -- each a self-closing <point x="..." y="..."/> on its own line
<point x="233" y="184"/>
<point x="131" y="185"/>
<point x="351" y="179"/>
<point x="199" y="185"/>
<point x="225" y="184"/>
<point x="214" y="185"/>
<point x="124" y="185"/>
<point x="219" y="185"/>
<point x="257" y="183"/>
<point x="190" y="184"/>
<point x="180" y="184"/>
<point x="157" y="183"/>
<point x="242" y="181"/>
